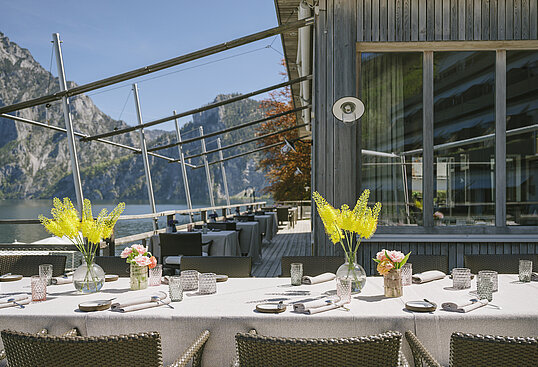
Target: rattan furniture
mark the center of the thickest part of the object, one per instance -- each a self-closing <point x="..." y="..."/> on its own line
<point x="312" y="265"/>
<point x="480" y="351"/>
<point x="381" y="350"/>
<point x="503" y="264"/>
<point x="28" y="265"/>
<point x="422" y="263"/>
<point x="180" y="243"/>
<point x="134" y="350"/>
<point x="244" y="218"/>
<point x="114" y="265"/>
<point x="232" y="266"/>
<point x="223" y="226"/>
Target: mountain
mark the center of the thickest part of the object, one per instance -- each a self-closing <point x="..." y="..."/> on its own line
<point x="35" y="162"/>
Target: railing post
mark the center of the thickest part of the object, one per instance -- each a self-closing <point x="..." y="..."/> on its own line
<point x="110" y="249"/>
<point x="206" y="164"/>
<point x="183" y="169"/>
<point x="145" y="156"/>
<point x="68" y="122"/>
<point x="223" y="170"/>
<point x="203" y="215"/>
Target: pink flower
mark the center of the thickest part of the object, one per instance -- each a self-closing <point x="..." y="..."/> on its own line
<point x="384" y="267"/>
<point x="142" y="260"/>
<point x="153" y="262"/>
<point x="381" y="255"/>
<point x="396" y="256"/>
<point x="140" y="249"/>
<point x="126" y="252"/>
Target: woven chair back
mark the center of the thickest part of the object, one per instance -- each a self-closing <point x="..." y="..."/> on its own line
<point x="422" y="263"/>
<point x="232" y="266"/>
<point x="28" y="265"/>
<point x="503" y="264"/>
<point x="114" y="265"/>
<point x="312" y="265"/>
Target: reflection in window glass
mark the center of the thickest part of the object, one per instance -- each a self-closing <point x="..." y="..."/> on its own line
<point x="391" y="88"/>
<point x="464" y="138"/>
<point x="521" y="138"/>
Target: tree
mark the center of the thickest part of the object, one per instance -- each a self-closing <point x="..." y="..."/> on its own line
<point x="288" y="173"/>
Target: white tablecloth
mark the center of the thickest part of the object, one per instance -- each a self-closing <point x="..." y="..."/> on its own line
<point x="231" y="310"/>
<point x="225" y="243"/>
<point x="250" y="240"/>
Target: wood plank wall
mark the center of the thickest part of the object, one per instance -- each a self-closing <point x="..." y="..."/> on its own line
<point x="342" y="23"/>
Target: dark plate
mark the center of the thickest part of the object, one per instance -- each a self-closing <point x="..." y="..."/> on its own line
<point x="10" y="278"/>
<point x="221" y="277"/>
<point x="111" y="277"/>
<point x="420" y="306"/>
<point x="270" y="308"/>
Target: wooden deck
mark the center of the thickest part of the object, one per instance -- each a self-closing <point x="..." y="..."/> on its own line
<point x="288" y="242"/>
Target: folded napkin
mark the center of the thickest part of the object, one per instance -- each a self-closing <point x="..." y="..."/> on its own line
<point x="428" y="276"/>
<point x="534" y="277"/>
<point x="317" y="306"/>
<point x="331" y="306"/>
<point x="465" y="306"/>
<point x="62" y="280"/>
<point x="141" y="303"/>
<point x="325" y="277"/>
<point x="9" y="301"/>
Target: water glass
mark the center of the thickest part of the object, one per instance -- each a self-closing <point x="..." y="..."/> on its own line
<point x="189" y="280"/>
<point x="155" y="275"/>
<point x="296" y="272"/>
<point x="39" y="288"/>
<point x="175" y="289"/>
<point x="343" y="289"/>
<point x="461" y="278"/>
<point x="208" y="283"/>
<point x="45" y="272"/>
<point x="494" y="278"/>
<point x="407" y="274"/>
<point x="525" y="270"/>
<point x="484" y="285"/>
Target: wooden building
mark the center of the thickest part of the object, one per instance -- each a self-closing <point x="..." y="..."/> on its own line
<point x="448" y="141"/>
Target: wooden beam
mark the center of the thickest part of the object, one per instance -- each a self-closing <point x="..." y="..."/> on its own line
<point x="427" y="139"/>
<point x="446" y="46"/>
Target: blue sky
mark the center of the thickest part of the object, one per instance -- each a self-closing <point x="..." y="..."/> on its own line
<point x="103" y="38"/>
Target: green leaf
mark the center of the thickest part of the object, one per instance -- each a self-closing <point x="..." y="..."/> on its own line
<point x="402" y="263"/>
<point x="377" y="261"/>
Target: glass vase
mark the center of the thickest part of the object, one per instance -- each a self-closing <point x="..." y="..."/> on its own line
<point x="88" y="277"/>
<point x="350" y="269"/>
<point x="139" y="277"/>
<point x="392" y="282"/>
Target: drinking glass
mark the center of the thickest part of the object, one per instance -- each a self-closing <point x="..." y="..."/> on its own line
<point x="208" y="283"/>
<point x="175" y="289"/>
<point x="407" y="274"/>
<point x="343" y="289"/>
<point x="39" y="288"/>
<point x="155" y="275"/>
<point x="45" y="272"/>
<point x="484" y="285"/>
<point x="461" y="278"/>
<point x="494" y="278"/>
<point x="296" y="272"/>
<point x="525" y="270"/>
<point x="189" y="280"/>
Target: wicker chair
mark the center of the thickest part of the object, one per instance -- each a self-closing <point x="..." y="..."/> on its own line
<point x="72" y="332"/>
<point x="232" y="266"/>
<point x="312" y="265"/>
<point x="28" y="265"/>
<point x="181" y="243"/>
<point x="113" y="265"/>
<point x="223" y="226"/>
<point x="480" y="351"/>
<point x="381" y="350"/>
<point x="503" y="264"/>
<point x="422" y="263"/>
<point x="245" y="218"/>
<point x="27" y="350"/>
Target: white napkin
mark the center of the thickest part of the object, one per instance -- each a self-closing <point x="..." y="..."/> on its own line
<point x="22" y="299"/>
<point x="318" y="305"/>
<point x="465" y="306"/>
<point x="140" y="303"/>
<point x="325" y="277"/>
<point x="62" y="280"/>
<point x="428" y="276"/>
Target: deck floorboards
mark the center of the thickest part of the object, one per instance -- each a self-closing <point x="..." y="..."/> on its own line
<point x="288" y="242"/>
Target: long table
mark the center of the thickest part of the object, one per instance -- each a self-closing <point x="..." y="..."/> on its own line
<point x="231" y="310"/>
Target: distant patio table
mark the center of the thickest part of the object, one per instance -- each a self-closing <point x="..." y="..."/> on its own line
<point x="268" y="225"/>
<point x="225" y="243"/>
<point x="250" y="240"/>
<point x="231" y="310"/>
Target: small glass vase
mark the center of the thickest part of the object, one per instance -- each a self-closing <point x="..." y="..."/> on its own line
<point x="139" y="277"/>
<point x="350" y="269"/>
<point x="88" y="277"/>
<point x="392" y="282"/>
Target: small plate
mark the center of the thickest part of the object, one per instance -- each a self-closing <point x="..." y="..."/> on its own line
<point x="111" y="277"/>
<point x="420" y="306"/>
<point x="10" y="278"/>
<point x="450" y="276"/>
<point x="270" y="308"/>
<point x="99" y="305"/>
<point x="221" y="277"/>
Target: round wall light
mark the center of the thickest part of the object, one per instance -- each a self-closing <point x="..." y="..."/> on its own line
<point x="348" y="109"/>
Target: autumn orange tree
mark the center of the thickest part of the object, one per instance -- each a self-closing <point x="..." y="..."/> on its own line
<point x="288" y="173"/>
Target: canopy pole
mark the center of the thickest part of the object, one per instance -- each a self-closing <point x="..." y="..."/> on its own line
<point x="145" y="156"/>
<point x="68" y="122"/>
<point x="223" y="170"/>
<point x="183" y="169"/>
<point x="207" y="173"/>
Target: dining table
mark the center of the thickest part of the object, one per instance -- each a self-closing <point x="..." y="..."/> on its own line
<point x="268" y="225"/>
<point x="250" y="240"/>
<point x="512" y="312"/>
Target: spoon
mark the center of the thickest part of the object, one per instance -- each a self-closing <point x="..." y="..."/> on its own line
<point x="158" y="300"/>
<point x="15" y="302"/>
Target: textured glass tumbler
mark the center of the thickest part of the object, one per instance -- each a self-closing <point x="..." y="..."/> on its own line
<point x="175" y="289"/>
<point x="208" y="283"/>
<point x="484" y="286"/>
<point x="461" y="278"/>
<point x="407" y="274"/>
<point x="45" y="272"/>
<point x="155" y="275"/>
<point x="296" y="273"/>
<point x="494" y="278"/>
<point x="39" y="288"/>
<point x="189" y="280"/>
<point x="525" y="270"/>
<point x="343" y="289"/>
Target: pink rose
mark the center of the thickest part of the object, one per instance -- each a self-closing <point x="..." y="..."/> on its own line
<point x="384" y="267"/>
<point x="126" y="252"/>
<point x="140" y="249"/>
<point x="152" y="262"/>
<point x="396" y="256"/>
<point x="381" y="255"/>
<point x="142" y="260"/>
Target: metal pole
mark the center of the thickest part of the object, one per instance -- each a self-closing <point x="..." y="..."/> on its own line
<point x="183" y="169"/>
<point x="68" y="122"/>
<point x="145" y="156"/>
<point x="208" y="175"/>
<point x="223" y="170"/>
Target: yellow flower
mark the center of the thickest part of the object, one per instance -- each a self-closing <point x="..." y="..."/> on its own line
<point x="65" y="220"/>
